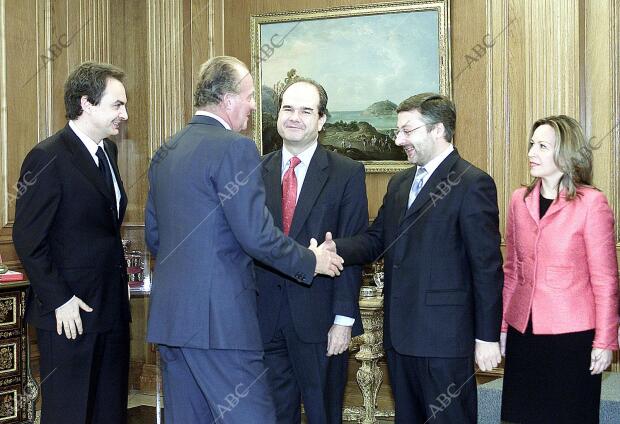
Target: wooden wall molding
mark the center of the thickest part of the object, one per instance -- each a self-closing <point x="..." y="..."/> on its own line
<point x="94" y="18"/>
<point x="4" y="186"/>
<point x="216" y="28"/>
<point x="498" y="23"/>
<point x="44" y="76"/>
<point x="206" y="40"/>
<point x="552" y="58"/>
<point x="602" y="105"/>
<point x="165" y="72"/>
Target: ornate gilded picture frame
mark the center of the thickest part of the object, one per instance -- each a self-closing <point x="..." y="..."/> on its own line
<point x="369" y="58"/>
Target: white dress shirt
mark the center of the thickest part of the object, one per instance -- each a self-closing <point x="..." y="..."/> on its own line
<point x="300" y="172"/>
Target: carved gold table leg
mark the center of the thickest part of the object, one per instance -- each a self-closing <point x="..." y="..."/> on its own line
<point x="369" y="375"/>
<point x="369" y="378"/>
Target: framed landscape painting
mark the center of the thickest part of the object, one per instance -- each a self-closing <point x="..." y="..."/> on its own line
<point x="368" y="58"/>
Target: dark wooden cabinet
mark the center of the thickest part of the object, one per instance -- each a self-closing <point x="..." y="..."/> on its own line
<point x="18" y="390"/>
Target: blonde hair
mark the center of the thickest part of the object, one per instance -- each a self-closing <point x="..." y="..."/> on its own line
<point x="572" y="154"/>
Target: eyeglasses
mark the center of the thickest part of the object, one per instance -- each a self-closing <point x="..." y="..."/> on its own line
<point x="407" y="133"/>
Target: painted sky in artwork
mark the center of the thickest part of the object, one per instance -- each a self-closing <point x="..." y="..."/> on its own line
<point x="359" y="60"/>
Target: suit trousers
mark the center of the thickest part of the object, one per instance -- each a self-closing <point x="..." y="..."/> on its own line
<point x="205" y="386"/>
<point x="433" y="390"/>
<point x="84" y="380"/>
<point x="300" y="371"/>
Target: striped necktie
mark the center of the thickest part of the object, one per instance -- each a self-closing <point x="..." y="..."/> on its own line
<point x="289" y="194"/>
<point x="418" y="183"/>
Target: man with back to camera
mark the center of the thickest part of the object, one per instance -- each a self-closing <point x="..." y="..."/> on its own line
<point x="306" y="330"/>
<point x="67" y="235"/>
<point x="438" y="232"/>
<point x="205" y="221"/>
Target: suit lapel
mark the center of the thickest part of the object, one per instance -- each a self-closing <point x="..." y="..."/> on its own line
<point x="315" y="179"/>
<point x="113" y="156"/>
<point x="441" y="173"/>
<point x="558" y="204"/>
<point x="532" y="203"/>
<point x="272" y="176"/>
<point x="402" y="196"/>
<point x="84" y="162"/>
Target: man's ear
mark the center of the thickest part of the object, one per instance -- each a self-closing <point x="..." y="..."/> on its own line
<point x="86" y="105"/>
<point x="322" y="120"/>
<point x="227" y="101"/>
<point x="439" y="130"/>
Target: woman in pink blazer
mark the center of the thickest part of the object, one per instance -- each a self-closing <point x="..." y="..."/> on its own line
<point x="560" y="284"/>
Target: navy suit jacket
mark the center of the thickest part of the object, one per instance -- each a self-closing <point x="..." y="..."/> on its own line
<point x="332" y="198"/>
<point x="443" y="266"/>
<point x="67" y="234"/>
<point x="205" y="221"/>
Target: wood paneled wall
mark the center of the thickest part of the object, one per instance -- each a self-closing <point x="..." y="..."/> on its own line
<point x="512" y="62"/>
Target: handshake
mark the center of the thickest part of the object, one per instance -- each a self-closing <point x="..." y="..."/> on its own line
<point x="327" y="261"/>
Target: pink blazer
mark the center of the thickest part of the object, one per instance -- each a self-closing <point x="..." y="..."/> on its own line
<point x="563" y="267"/>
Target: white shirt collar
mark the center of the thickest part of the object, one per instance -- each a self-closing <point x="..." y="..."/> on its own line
<point x="305" y="157"/>
<point x="434" y="163"/>
<point x="214" y="116"/>
<point x="90" y="144"/>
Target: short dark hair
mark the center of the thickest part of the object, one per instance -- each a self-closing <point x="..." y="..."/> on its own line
<point x="217" y="76"/>
<point x="434" y="109"/>
<point x="89" y="79"/>
<point x="319" y="88"/>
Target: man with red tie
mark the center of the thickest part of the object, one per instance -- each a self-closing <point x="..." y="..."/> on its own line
<point x="205" y="221"/>
<point x="306" y="330"/>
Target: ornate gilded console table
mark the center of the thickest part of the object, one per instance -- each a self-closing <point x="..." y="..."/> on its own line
<point x="369" y="375"/>
<point x="18" y="390"/>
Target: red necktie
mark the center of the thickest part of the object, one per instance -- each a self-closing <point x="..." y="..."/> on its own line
<point x="289" y="194"/>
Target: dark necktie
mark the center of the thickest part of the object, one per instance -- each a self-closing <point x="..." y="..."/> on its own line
<point x="106" y="173"/>
<point x="289" y="195"/>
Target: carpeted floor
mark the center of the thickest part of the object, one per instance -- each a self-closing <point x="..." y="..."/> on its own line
<point x="490" y="398"/>
<point x="142" y="406"/>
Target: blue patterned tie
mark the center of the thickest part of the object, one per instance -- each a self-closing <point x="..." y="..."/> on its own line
<point x="418" y="182"/>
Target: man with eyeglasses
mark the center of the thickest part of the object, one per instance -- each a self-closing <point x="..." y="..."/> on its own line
<point x="438" y="232"/>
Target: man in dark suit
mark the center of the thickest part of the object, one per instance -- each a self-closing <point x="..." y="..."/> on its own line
<point x="67" y="235"/>
<point x="438" y="232"/>
<point x="205" y="221"/>
<point x="307" y="329"/>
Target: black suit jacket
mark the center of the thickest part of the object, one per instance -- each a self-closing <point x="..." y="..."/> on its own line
<point x="332" y="198"/>
<point x="67" y="234"/>
<point x="443" y="266"/>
